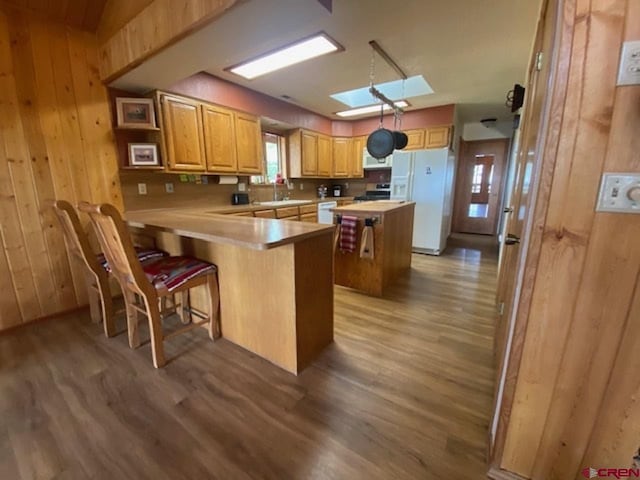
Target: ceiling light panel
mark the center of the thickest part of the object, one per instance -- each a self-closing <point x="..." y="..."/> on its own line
<point x="300" y="51"/>
<point x="370" y="109"/>
<point x="415" y="86"/>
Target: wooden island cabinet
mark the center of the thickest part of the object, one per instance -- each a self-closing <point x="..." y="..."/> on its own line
<point x="392" y="239"/>
<point x="275" y="277"/>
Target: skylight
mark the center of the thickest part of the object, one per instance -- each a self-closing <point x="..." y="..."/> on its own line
<point x="370" y="109"/>
<point x="297" y="52"/>
<point x="413" y="87"/>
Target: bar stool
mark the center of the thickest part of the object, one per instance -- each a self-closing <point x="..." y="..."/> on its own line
<point x="152" y="281"/>
<point x="97" y="268"/>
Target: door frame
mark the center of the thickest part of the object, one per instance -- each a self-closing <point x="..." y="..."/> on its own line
<point x="460" y="181"/>
<point x="544" y="163"/>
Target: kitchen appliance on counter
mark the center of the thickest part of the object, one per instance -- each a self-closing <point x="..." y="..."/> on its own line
<point x="325" y="215"/>
<point x="426" y="178"/>
<point x="337" y="190"/>
<point x="239" y="199"/>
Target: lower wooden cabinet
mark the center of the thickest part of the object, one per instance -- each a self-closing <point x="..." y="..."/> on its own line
<point x="309" y="217"/>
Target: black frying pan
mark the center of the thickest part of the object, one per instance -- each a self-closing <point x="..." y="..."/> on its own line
<point x="400" y="140"/>
<point x="381" y="143"/>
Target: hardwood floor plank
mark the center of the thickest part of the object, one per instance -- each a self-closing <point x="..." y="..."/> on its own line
<point x="404" y="392"/>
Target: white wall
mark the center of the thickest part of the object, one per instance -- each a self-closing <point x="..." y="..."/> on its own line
<point x="477" y="131"/>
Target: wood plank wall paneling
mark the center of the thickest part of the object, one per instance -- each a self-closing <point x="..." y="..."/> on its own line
<point x="55" y="142"/>
<point x="116" y="14"/>
<point x="160" y="24"/>
<point x="82" y="14"/>
<point x="583" y="322"/>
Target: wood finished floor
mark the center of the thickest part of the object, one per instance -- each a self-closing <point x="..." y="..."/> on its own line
<point x="405" y="392"/>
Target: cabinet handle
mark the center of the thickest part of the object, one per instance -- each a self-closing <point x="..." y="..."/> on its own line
<point x="508" y="210"/>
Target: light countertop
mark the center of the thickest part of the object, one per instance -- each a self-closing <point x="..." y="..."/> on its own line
<point x="202" y="224"/>
<point x="378" y="207"/>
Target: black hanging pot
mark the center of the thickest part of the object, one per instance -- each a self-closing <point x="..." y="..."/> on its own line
<point x="400" y="140"/>
<point x="381" y="143"/>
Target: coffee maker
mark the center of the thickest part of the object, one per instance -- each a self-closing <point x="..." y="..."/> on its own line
<point x="336" y="190"/>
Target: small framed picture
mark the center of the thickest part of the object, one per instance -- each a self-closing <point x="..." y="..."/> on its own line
<point x="135" y="113"/>
<point x="143" y="155"/>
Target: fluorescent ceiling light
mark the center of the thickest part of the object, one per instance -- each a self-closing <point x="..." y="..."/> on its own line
<point x="305" y="49"/>
<point x="398" y="89"/>
<point x="370" y="109"/>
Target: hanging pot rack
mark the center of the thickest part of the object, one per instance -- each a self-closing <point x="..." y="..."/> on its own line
<point x="373" y="90"/>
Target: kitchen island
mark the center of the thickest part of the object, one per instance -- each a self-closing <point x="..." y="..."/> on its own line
<point x="275" y="277"/>
<point x="392" y="239"/>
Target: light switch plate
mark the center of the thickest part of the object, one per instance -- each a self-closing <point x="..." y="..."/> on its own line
<point x="142" y="189"/>
<point x="616" y="191"/>
<point x="168" y="187"/>
<point x="629" y="70"/>
<point x="242" y="187"/>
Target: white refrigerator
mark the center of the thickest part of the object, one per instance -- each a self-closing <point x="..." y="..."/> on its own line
<point x="426" y="178"/>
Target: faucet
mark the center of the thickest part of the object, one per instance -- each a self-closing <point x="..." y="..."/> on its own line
<point x="275" y="191"/>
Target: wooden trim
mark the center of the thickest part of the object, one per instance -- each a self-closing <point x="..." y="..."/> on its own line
<point x="498" y="474"/>
<point x="155" y="28"/>
<point x="530" y="249"/>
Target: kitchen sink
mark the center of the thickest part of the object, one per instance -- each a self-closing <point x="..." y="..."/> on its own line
<point x="284" y="203"/>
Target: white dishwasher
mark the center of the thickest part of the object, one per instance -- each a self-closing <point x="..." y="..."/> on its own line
<point x="325" y="215"/>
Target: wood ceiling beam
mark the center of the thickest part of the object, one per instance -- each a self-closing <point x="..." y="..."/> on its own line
<point x="159" y="25"/>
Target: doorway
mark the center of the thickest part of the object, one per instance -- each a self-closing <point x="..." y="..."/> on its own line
<point x="479" y="185"/>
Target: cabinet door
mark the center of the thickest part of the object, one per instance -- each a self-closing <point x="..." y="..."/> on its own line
<point x="309" y="154"/>
<point x="325" y="156"/>
<point x="341" y="151"/>
<point x="182" y="125"/>
<point x="437" y="137"/>
<point x="219" y="139"/>
<point x="415" y="139"/>
<point x="249" y="144"/>
<point x="357" y="157"/>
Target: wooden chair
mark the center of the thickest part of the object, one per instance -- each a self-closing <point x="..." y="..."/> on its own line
<point x="100" y="302"/>
<point x="153" y="281"/>
<point x="97" y="268"/>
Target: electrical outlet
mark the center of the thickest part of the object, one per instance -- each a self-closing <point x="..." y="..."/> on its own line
<point x="142" y="189"/>
<point x="301" y="186"/>
<point x="346" y="186"/>
<point x="242" y="187"/>
<point x="629" y="70"/>
<point x="168" y="187"/>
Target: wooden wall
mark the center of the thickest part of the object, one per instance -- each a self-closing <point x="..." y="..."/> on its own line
<point x="55" y="142"/>
<point x="158" y="25"/>
<point x="577" y="386"/>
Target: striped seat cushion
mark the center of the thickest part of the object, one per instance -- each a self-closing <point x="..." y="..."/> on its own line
<point x="168" y="273"/>
<point x="143" y="254"/>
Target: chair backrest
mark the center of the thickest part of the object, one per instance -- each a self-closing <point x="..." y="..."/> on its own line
<point x="117" y="246"/>
<point x="76" y="237"/>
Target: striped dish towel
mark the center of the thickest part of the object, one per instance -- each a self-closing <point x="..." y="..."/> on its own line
<point x="348" y="234"/>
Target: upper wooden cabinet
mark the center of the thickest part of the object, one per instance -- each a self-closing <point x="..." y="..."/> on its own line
<point x="437" y="137"/>
<point x="249" y="144"/>
<point x="182" y="129"/>
<point x="356" y="158"/>
<point x="415" y="139"/>
<point x="325" y="156"/>
<point x="219" y="139"/>
<point x="424" y="138"/>
<point x="342" y="150"/>
<point x="202" y="137"/>
<point x="309" y="153"/>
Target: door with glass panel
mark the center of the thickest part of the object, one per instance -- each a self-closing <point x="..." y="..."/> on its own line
<point x="479" y="186"/>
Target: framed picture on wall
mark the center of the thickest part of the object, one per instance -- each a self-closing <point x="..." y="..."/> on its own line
<point x="135" y="113"/>
<point x="143" y="155"/>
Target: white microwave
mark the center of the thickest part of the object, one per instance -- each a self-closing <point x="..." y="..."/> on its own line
<point x="370" y="162"/>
